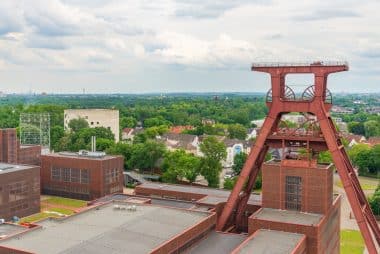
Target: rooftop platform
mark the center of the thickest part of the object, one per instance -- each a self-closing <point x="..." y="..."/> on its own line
<point x="271" y="241"/>
<point x="88" y="156"/>
<point x="7" y="230"/>
<point x="8" y="168"/>
<point x="287" y="216"/>
<point x="211" y="195"/>
<point x="218" y="243"/>
<point x="108" y="230"/>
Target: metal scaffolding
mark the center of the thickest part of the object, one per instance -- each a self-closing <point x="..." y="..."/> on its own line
<point x="35" y="129"/>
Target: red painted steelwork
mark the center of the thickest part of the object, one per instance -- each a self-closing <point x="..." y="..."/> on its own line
<point x="318" y="106"/>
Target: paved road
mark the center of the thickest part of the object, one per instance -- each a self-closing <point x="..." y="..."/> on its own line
<point x="347" y="219"/>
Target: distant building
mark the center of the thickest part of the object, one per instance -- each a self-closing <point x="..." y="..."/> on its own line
<point x="372" y="141"/>
<point x="20" y="190"/>
<point x="84" y="175"/>
<point x="187" y="142"/>
<point x="235" y="146"/>
<point x="130" y="133"/>
<point x="206" y="121"/>
<point x="251" y="133"/>
<point x="12" y="152"/>
<point x="258" y="123"/>
<point x="180" y="128"/>
<point x="107" y="118"/>
<point x="354" y="139"/>
<point x="341" y="110"/>
<point x="126" y="134"/>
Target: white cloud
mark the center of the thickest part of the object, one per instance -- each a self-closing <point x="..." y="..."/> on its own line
<point x="123" y="38"/>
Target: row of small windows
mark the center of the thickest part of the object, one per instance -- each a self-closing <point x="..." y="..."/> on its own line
<point x="111" y="175"/>
<point x="72" y="175"/>
<point x="19" y="190"/>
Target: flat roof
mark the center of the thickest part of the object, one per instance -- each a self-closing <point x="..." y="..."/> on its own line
<point x="77" y="156"/>
<point x="214" y="195"/>
<point x="107" y="230"/>
<point x="8" y="168"/>
<point x="7" y="229"/>
<point x="287" y="216"/>
<point x="271" y="241"/>
<point x="218" y="243"/>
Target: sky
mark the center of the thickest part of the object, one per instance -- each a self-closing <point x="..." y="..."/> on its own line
<point x="130" y="46"/>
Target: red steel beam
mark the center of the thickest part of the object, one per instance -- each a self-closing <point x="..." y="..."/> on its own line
<point x="239" y="196"/>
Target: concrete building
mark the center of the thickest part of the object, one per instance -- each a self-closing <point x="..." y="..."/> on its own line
<point x="107" y="118"/>
<point x="19" y="190"/>
<point x="84" y="175"/>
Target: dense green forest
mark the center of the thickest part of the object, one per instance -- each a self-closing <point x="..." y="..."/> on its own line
<point x="232" y="114"/>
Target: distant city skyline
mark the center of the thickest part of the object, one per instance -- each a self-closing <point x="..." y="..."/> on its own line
<point x="165" y="46"/>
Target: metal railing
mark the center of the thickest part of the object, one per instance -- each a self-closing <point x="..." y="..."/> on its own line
<point x="301" y="64"/>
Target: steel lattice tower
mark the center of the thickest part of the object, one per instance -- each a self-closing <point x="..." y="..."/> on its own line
<point x="316" y="100"/>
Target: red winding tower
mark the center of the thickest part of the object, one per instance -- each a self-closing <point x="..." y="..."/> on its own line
<point x="316" y="101"/>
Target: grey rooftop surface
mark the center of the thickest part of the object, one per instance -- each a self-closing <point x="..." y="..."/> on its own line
<point x="271" y="241"/>
<point x="218" y="195"/>
<point x="107" y="230"/>
<point x="78" y="156"/>
<point x="8" y="168"/>
<point x="10" y="229"/>
<point x="287" y="216"/>
<point x="217" y="243"/>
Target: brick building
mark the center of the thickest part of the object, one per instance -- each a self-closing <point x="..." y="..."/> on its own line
<point x="29" y="154"/>
<point x="12" y="152"/>
<point x="19" y="190"/>
<point x="86" y="176"/>
<point x="297" y="197"/>
<point x="8" y="145"/>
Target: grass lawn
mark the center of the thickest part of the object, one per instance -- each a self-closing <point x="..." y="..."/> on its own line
<point x="75" y="203"/>
<point x="366" y="185"/>
<point x="35" y="217"/>
<point x="61" y="210"/>
<point x="351" y="242"/>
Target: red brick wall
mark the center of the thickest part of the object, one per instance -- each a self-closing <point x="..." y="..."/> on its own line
<point x="317" y="184"/>
<point x="30" y="203"/>
<point x="6" y="250"/>
<point x="96" y="187"/>
<point x="144" y="191"/>
<point x="323" y="238"/>
<point x="8" y="145"/>
<point x="30" y="155"/>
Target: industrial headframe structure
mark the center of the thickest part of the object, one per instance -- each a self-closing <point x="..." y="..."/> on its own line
<point x="315" y="102"/>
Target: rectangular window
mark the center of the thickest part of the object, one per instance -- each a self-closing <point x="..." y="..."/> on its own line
<point x="75" y="175"/>
<point x="84" y="176"/>
<point x="66" y="174"/>
<point x="56" y="174"/>
<point x="293" y="193"/>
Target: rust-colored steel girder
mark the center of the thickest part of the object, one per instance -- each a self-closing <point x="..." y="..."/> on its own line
<point x="317" y="101"/>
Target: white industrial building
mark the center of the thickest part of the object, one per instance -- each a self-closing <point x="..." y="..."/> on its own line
<point x="107" y="118"/>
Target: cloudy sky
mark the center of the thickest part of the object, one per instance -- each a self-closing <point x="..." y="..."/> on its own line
<point x="130" y="46"/>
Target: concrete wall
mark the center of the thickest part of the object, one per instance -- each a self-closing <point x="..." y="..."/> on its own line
<point x="107" y="118"/>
